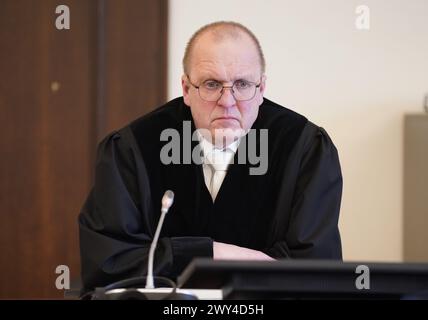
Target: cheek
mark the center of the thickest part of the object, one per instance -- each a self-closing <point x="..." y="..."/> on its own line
<point x="202" y="114"/>
<point x="249" y="112"/>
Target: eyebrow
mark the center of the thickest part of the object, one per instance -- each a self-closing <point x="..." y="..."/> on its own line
<point x="245" y="77"/>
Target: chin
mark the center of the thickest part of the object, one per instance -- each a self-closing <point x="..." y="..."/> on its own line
<point x="226" y="135"/>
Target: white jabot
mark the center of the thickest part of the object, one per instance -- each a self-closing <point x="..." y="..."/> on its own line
<point x="215" y="163"/>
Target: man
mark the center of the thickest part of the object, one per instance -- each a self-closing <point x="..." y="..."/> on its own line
<point x="225" y="212"/>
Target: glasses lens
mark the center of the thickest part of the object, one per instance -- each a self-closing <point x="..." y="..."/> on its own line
<point x="210" y="94"/>
<point x="243" y="92"/>
<point x="239" y="93"/>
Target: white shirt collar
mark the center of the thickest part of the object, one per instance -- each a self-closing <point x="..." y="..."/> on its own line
<point x="220" y="158"/>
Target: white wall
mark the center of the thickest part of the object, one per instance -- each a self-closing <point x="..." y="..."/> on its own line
<point x="355" y="84"/>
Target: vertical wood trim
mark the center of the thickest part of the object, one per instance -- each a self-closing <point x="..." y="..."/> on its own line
<point x="163" y="56"/>
<point x="100" y="105"/>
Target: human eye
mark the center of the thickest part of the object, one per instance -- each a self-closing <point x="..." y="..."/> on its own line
<point x="242" y="84"/>
<point x="211" y="85"/>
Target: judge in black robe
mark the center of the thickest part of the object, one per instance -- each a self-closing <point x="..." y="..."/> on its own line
<point x="290" y="212"/>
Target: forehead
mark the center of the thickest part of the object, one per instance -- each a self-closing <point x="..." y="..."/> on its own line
<point x="226" y="59"/>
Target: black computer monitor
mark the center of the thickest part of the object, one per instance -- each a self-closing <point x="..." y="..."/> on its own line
<point x="297" y="279"/>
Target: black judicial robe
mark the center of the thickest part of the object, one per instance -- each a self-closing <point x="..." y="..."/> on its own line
<point x="290" y="212"/>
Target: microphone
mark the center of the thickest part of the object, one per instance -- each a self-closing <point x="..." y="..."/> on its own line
<point x="167" y="200"/>
<point x="126" y="289"/>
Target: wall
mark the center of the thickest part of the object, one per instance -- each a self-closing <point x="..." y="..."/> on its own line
<point x="61" y="91"/>
<point x="356" y="84"/>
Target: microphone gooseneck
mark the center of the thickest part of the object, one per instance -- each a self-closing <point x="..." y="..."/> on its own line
<point x="167" y="200"/>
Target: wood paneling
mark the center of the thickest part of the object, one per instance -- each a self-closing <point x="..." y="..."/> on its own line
<point x="415" y="188"/>
<point x="136" y="56"/>
<point x="60" y="92"/>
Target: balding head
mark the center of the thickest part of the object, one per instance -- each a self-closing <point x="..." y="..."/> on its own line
<point x="218" y="32"/>
<point x="225" y="56"/>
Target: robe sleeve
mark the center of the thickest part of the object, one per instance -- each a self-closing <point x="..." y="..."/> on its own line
<point x="117" y="222"/>
<point x="311" y="230"/>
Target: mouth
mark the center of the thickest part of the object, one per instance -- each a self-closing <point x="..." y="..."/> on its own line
<point x="226" y="118"/>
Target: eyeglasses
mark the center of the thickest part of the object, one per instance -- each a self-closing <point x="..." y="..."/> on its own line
<point x="211" y="90"/>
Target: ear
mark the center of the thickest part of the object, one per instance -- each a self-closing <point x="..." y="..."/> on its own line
<point x="262" y="88"/>
<point x="262" y="85"/>
<point x="186" y="88"/>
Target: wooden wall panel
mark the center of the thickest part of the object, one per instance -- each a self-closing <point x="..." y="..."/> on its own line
<point x="136" y="56"/>
<point x="47" y="93"/>
<point x="57" y="99"/>
<point x="415" y="231"/>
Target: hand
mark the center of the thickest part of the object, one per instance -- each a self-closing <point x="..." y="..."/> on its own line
<point x="224" y="251"/>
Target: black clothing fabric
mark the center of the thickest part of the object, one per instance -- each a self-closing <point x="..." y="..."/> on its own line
<point x="290" y="212"/>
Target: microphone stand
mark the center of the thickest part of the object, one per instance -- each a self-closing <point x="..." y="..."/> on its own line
<point x="151" y="293"/>
<point x="150" y="282"/>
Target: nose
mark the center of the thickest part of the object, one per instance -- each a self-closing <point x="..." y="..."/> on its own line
<point x="227" y="99"/>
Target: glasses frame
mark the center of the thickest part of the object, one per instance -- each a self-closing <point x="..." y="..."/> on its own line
<point x="226" y="87"/>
